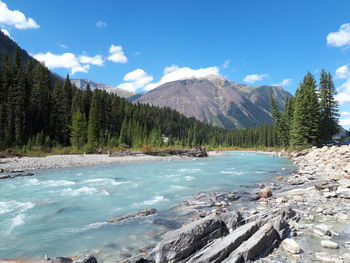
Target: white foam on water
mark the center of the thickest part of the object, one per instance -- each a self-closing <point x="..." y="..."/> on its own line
<point x="155" y="200"/>
<point x="104" y="181"/>
<point x="35" y="181"/>
<point x="83" y="191"/>
<point x="190" y="170"/>
<point x="16" y="221"/>
<point x="57" y="182"/>
<point x="171" y="175"/>
<point x="10" y="206"/>
<point x="260" y="172"/>
<point x="177" y="187"/>
<point x="231" y="172"/>
<point x="189" y="178"/>
<point x="90" y="226"/>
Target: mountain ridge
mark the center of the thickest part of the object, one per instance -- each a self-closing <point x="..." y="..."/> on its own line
<point x="82" y="83"/>
<point x="216" y="100"/>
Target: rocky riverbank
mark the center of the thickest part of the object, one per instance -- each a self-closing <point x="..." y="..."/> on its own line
<point x="304" y="217"/>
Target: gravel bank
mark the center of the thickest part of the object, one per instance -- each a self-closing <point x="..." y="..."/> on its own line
<point x="73" y="160"/>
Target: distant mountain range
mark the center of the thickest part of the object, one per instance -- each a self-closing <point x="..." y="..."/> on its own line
<point x="211" y="99"/>
<point x="82" y="83"/>
<point x="218" y="101"/>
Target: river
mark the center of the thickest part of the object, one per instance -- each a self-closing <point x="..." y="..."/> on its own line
<point x="61" y="212"/>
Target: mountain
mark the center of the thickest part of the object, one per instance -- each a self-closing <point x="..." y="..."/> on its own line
<point x="218" y="101"/>
<point x="82" y="83"/>
<point x="8" y="47"/>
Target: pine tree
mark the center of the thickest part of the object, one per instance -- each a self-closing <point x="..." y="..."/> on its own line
<point x="93" y="127"/>
<point x="329" y="107"/>
<point x="78" y="130"/>
<point x="281" y="127"/>
<point x="306" y="117"/>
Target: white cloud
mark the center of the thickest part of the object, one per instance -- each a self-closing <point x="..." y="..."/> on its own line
<point x="96" y="60"/>
<point x="69" y="61"/>
<point x="62" y="45"/>
<point x="345" y="114"/>
<point x="135" y="80"/>
<point x="255" y="77"/>
<point x="343" y="95"/>
<point x="117" y="54"/>
<point x="341" y="37"/>
<point x="15" y="18"/>
<point x="7" y="33"/>
<point x="226" y="63"/>
<point x="344" y="118"/>
<point x="82" y="68"/>
<point x="173" y="73"/>
<point x="284" y="83"/>
<point x="342" y="72"/>
<point x="101" y="24"/>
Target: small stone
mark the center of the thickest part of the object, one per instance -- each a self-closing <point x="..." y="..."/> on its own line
<point x="319" y="210"/>
<point x="265" y="193"/>
<point x="329" y="244"/>
<point x="330" y="194"/>
<point x="291" y="246"/>
<point x="281" y="200"/>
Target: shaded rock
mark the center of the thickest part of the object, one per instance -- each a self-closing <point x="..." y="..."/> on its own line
<point x="330" y="184"/>
<point x="329" y="244"/>
<point x="265" y="193"/>
<point x="167" y="223"/>
<point x="260" y="243"/>
<point x="141" y="213"/>
<point x="291" y="246"/>
<point x="179" y="244"/>
<point x="221" y="248"/>
<point x="60" y="260"/>
<point x="84" y="259"/>
<point x="231" y="220"/>
<point x="16" y="175"/>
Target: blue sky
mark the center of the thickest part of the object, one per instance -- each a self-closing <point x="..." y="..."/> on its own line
<point x="139" y="44"/>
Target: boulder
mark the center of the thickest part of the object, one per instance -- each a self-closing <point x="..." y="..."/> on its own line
<point x="291" y="246"/>
<point x="260" y="243"/>
<point x="141" y="213"/>
<point x="265" y="193"/>
<point x="179" y="244"/>
<point x="232" y="220"/>
<point x="221" y="248"/>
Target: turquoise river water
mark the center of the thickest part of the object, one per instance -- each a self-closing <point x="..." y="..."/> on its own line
<point x="61" y="212"/>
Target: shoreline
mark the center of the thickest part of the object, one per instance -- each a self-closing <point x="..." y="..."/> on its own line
<point x="17" y="164"/>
